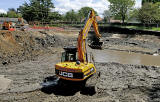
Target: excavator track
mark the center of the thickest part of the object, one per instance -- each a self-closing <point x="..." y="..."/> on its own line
<point x="90" y="87"/>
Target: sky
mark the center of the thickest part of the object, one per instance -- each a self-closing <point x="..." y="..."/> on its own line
<point x="62" y="6"/>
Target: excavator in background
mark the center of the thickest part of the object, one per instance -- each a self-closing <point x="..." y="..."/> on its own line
<point x="21" y="24"/>
<point x="8" y="26"/>
<point x="74" y="65"/>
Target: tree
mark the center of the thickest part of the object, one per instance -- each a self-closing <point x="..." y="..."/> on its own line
<point x="150" y="1"/>
<point x="83" y="12"/>
<point x="107" y="16"/>
<point x="71" y="16"/>
<point x="12" y="13"/>
<point x="36" y="10"/>
<point x="55" y="16"/>
<point x="27" y="12"/>
<point x="150" y="13"/>
<point x="3" y="15"/>
<point x="157" y="14"/>
<point x="121" y="7"/>
<point x="45" y="6"/>
<point x="12" y="9"/>
<point x="133" y="15"/>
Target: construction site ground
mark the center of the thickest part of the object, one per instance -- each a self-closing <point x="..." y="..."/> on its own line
<point x="28" y="57"/>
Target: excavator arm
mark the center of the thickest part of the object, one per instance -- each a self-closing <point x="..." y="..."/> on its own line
<point x="82" y="53"/>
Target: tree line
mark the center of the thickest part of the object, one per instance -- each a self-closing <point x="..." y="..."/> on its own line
<point x="12" y="13"/>
<point x="42" y="10"/>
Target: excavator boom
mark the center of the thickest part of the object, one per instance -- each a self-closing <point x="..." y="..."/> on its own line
<point x="83" y="34"/>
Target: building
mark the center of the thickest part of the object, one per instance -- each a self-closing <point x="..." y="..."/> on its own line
<point x="98" y="18"/>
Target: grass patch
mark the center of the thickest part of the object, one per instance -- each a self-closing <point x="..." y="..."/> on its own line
<point x="142" y="28"/>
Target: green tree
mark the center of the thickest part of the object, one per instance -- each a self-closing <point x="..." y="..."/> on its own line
<point x="12" y="9"/>
<point x="157" y="14"/>
<point x="83" y="12"/>
<point x="36" y="10"/>
<point x="121" y="7"/>
<point x="150" y="13"/>
<point x="150" y="1"/>
<point x="27" y="12"/>
<point x="107" y="16"/>
<point x="133" y="15"/>
<point x="55" y="16"/>
<point x="3" y="15"/>
<point x="71" y="16"/>
<point x="12" y="14"/>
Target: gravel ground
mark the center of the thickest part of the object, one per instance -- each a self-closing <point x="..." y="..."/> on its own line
<point x="116" y="83"/>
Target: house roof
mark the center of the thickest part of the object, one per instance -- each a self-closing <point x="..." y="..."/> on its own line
<point x="99" y="18"/>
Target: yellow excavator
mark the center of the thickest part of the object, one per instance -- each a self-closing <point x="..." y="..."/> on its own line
<point x="75" y="72"/>
<point x="74" y="65"/>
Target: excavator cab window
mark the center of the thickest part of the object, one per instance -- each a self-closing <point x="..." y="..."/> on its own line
<point x="70" y="54"/>
<point x="63" y="57"/>
<point x="70" y="57"/>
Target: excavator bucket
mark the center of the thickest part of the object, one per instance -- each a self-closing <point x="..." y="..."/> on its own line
<point x="96" y="45"/>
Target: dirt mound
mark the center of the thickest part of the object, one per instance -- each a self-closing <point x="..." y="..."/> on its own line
<point x="8" y="42"/>
<point x="22" y="45"/>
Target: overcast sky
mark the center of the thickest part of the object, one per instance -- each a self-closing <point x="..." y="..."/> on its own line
<point x="62" y="6"/>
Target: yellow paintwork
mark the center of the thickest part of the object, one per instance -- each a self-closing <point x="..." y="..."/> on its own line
<point x="83" y="35"/>
<point x="73" y="67"/>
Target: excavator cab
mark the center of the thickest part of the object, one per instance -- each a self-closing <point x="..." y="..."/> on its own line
<point x="70" y="54"/>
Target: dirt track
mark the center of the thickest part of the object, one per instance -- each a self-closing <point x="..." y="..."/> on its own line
<point x="117" y="82"/>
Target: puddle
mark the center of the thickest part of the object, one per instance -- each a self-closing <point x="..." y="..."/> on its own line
<point x="126" y="57"/>
<point x="118" y="36"/>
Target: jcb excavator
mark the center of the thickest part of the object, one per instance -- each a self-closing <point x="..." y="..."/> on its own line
<point x="76" y="67"/>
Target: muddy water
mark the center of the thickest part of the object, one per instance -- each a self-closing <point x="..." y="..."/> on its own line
<point x="126" y="57"/>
